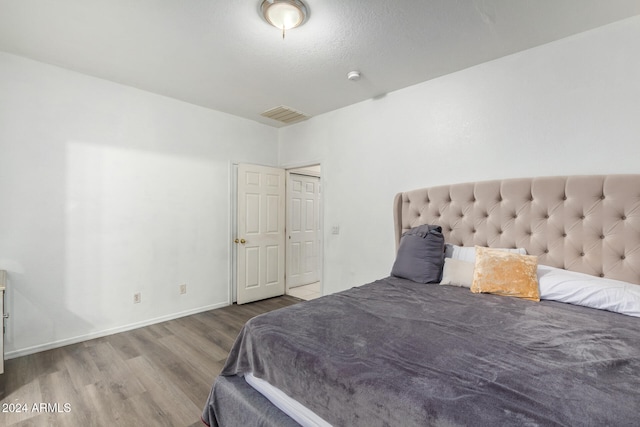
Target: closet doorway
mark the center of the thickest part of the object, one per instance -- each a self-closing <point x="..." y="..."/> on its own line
<point x="304" y="232"/>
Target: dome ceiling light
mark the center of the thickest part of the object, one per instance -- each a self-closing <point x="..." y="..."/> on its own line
<point x="284" y="14"/>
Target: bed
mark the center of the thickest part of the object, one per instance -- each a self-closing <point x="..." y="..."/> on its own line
<point x="396" y="352"/>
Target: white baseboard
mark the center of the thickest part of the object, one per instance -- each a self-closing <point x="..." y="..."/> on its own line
<point x="61" y="343"/>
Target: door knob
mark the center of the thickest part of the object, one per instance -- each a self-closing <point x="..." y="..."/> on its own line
<point x="240" y="241"/>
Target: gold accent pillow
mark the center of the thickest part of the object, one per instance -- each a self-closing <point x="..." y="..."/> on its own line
<point x="504" y="273"/>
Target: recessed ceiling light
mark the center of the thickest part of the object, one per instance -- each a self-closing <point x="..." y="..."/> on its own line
<point x="284" y="14"/>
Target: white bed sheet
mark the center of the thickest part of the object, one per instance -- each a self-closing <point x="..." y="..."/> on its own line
<point x="296" y="410"/>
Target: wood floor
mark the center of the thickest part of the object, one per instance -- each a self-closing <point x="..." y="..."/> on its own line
<point x="158" y="375"/>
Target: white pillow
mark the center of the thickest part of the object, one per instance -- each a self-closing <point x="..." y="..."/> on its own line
<point x="457" y="273"/>
<point x="583" y="289"/>
<point x="468" y="253"/>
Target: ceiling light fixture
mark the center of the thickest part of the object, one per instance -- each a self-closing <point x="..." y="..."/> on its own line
<point x="284" y="14"/>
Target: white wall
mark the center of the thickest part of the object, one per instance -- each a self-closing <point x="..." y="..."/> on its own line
<point x="105" y="191"/>
<point x="569" y="107"/>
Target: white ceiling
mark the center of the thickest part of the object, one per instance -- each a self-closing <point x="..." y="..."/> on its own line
<point x="223" y="55"/>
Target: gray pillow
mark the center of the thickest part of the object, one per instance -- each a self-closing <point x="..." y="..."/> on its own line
<point x="420" y="255"/>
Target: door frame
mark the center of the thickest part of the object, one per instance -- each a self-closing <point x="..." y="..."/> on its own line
<point x="233" y="226"/>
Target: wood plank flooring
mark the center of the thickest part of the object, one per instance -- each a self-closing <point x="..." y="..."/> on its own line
<point x="158" y="375"/>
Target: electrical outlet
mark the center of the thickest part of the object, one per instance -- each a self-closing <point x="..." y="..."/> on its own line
<point x="137" y="298"/>
<point x="183" y="289"/>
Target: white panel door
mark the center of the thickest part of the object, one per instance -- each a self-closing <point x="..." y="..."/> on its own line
<point x="303" y="244"/>
<point x="261" y="232"/>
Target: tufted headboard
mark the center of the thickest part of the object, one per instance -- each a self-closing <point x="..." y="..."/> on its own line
<point x="589" y="224"/>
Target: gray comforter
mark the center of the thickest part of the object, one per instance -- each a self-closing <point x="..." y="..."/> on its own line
<point x="399" y="353"/>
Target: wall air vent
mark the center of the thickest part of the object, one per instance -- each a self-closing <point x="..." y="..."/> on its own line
<point x="285" y="115"/>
